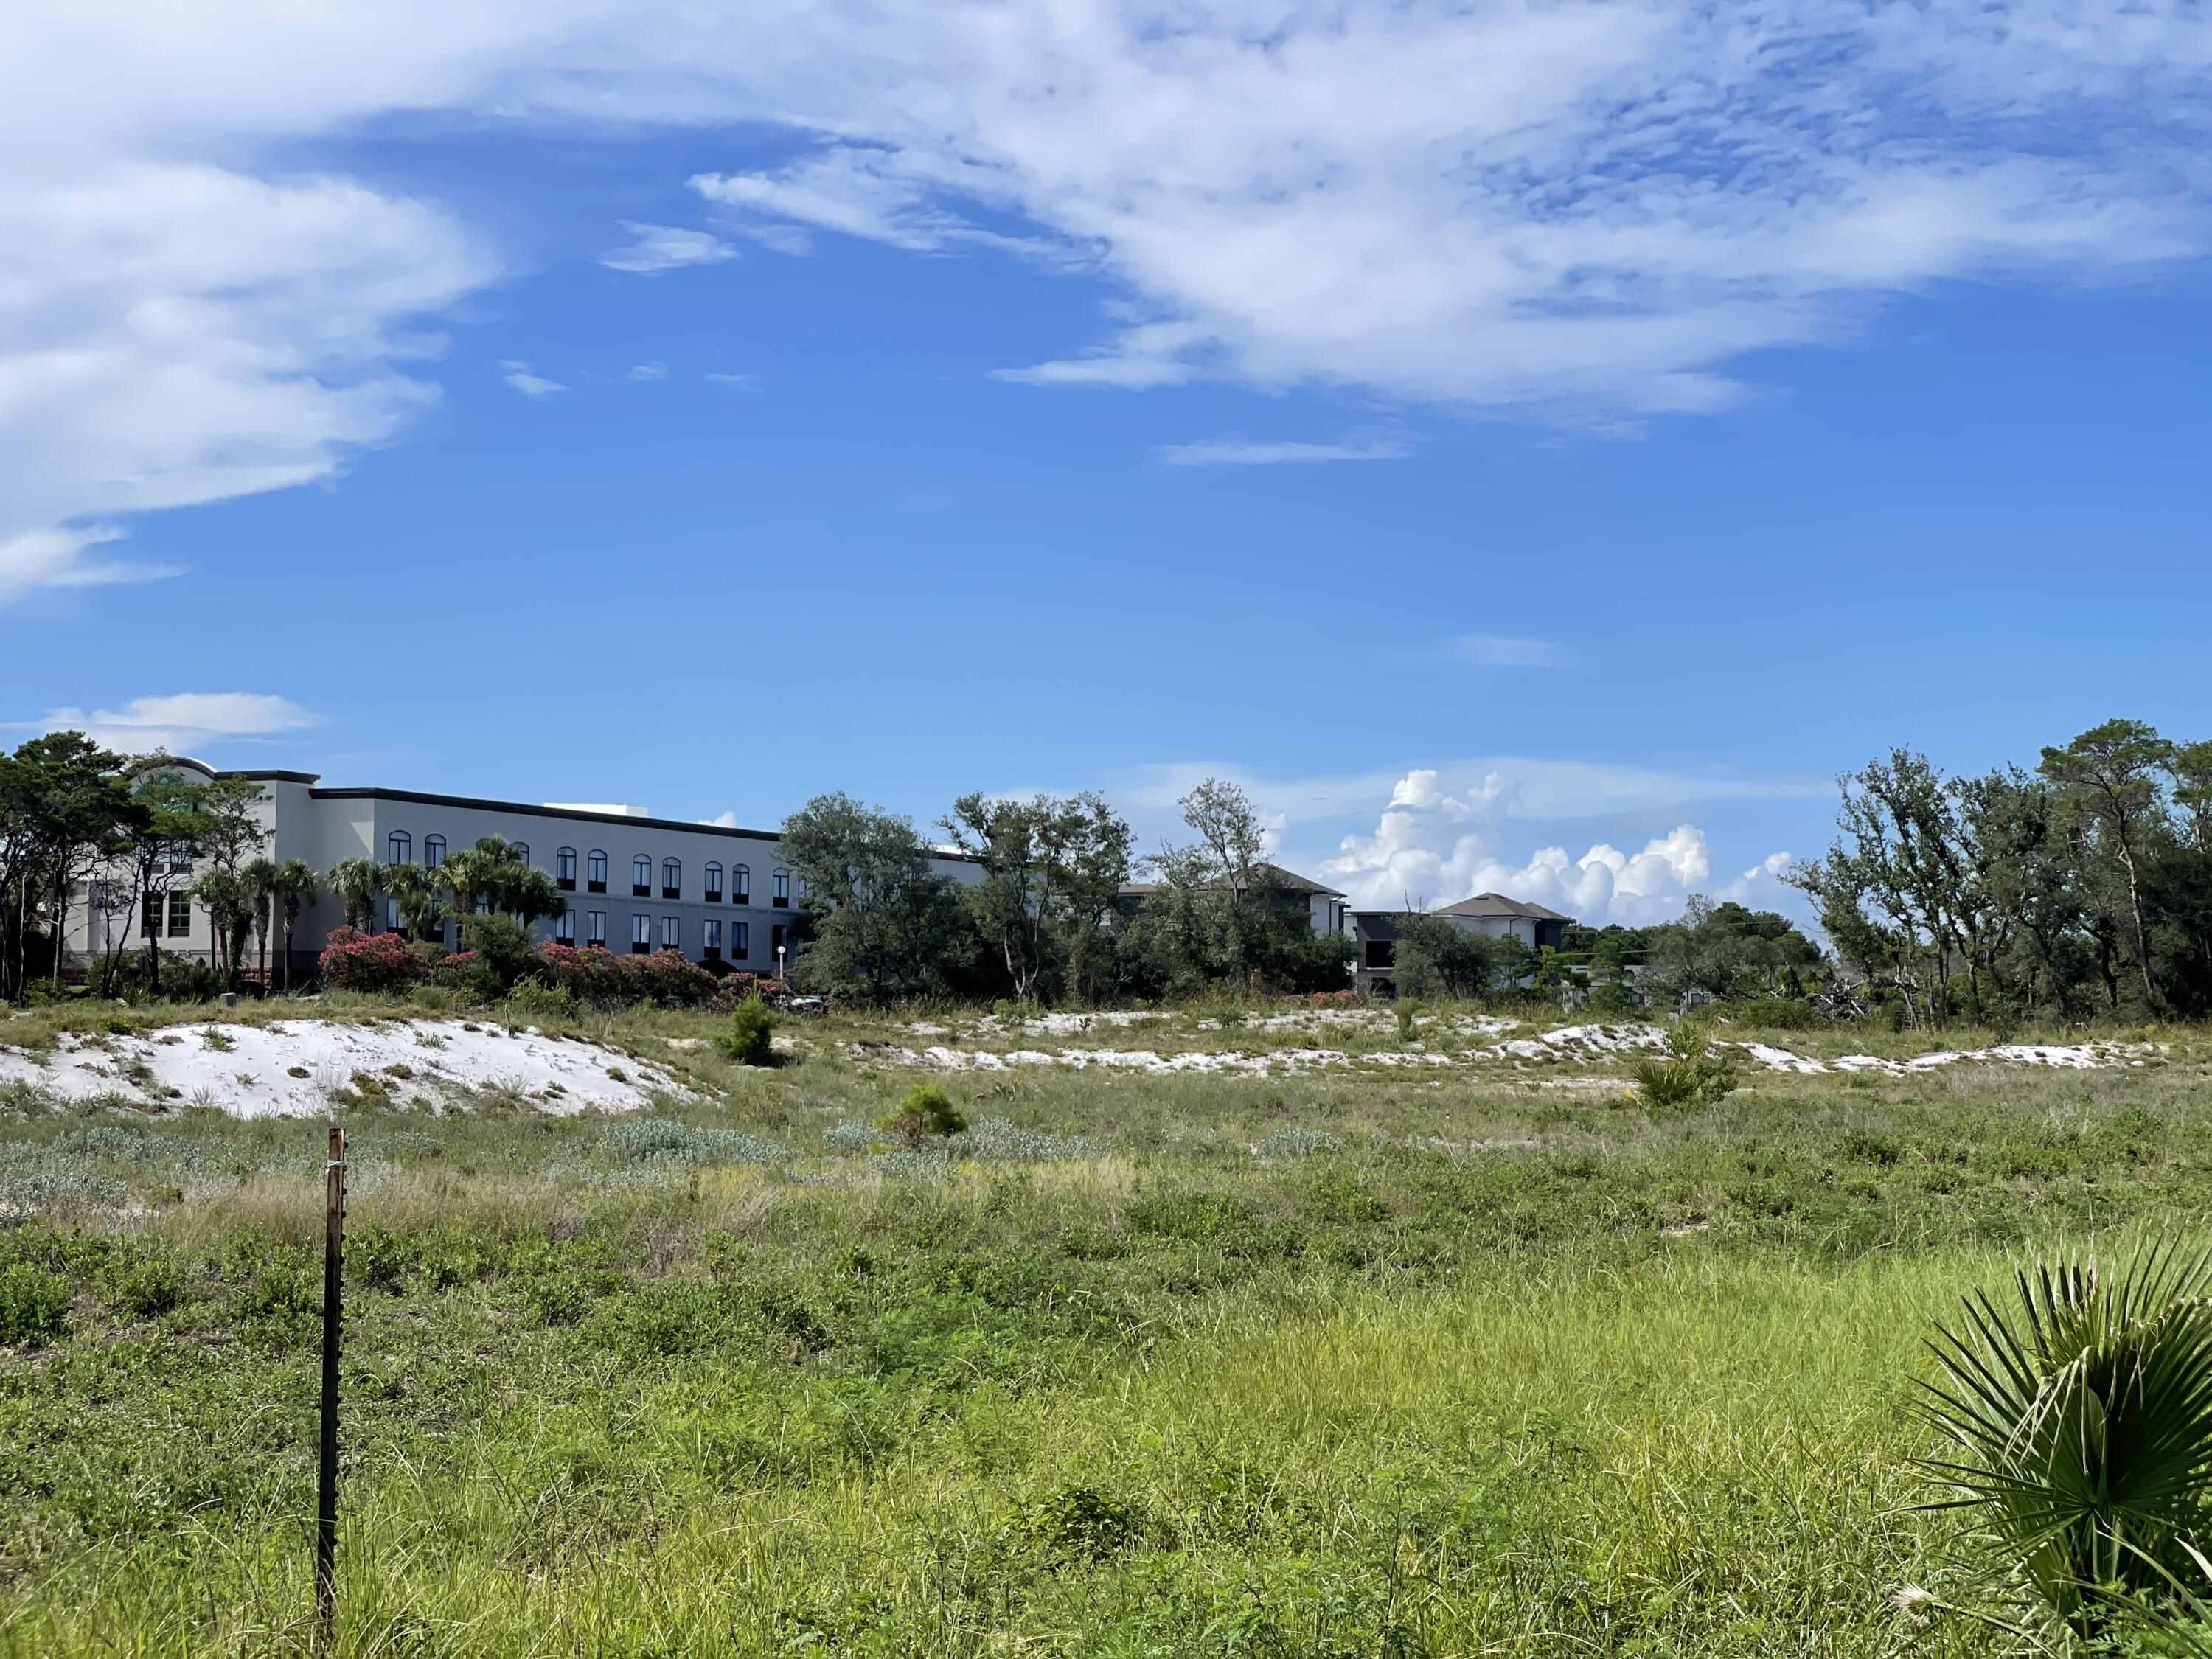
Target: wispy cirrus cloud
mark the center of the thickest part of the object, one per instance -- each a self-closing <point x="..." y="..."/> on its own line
<point x="179" y="720"/>
<point x="1236" y="452"/>
<point x="520" y="376"/>
<point x="656" y="248"/>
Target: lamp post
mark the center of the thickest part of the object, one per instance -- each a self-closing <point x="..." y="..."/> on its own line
<point x="779" y="961"/>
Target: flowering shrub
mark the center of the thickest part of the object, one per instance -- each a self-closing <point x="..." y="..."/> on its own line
<point x="353" y="961"/>
<point x="740" y="987"/>
<point x="1337" y="999"/>
<point x="604" y="979"/>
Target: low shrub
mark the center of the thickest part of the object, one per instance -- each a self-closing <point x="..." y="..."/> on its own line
<point x="649" y="1141"/>
<point x="535" y="1000"/>
<point x="926" y="1112"/>
<point x="999" y="1141"/>
<point x="1688" y="1075"/>
<point x="34" y="1306"/>
<point x="750" y="1038"/>
<point x="1297" y="1143"/>
<point x="598" y="978"/>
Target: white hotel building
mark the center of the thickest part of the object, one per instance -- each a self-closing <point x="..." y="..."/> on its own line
<point x="632" y="882"/>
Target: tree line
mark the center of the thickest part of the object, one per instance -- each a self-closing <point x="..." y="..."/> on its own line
<point x="2080" y="889"/>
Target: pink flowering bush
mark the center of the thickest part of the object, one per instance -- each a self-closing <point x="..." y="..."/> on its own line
<point x="354" y="961"/>
<point x="740" y="987"/>
<point x="604" y="979"/>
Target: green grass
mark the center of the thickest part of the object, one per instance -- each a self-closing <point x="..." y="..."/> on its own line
<point x="1509" y="1370"/>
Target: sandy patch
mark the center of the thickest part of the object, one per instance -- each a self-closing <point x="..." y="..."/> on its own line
<point x="294" y="1068"/>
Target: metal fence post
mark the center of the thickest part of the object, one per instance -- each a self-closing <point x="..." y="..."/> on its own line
<point x="326" y="1492"/>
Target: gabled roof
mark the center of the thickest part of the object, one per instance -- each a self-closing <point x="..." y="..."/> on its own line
<point x="1487" y="905"/>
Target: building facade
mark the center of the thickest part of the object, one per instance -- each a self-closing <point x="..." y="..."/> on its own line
<point x="632" y="882"/>
<point x="1376" y="933"/>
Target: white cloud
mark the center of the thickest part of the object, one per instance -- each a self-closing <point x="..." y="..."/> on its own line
<point x="649" y="372"/>
<point x="1230" y="452"/>
<point x="722" y="821"/>
<point x="1432" y="847"/>
<point x="741" y="382"/>
<point x="1593" y="210"/>
<point x="180" y="721"/>
<point x="667" y="247"/>
<point x="1502" y="651"/>
<point x="519" y="376"/>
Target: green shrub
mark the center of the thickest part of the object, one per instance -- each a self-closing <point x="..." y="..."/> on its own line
<point x="149" y="1289"/>
<point x="34" y="1306"/>
<point x="1297" y="1143"/>
<point x="1688" y="1075"/>
<point x="1407" y="1009"/>
<point x="749" y="1040"/>
<point x="535" y="1000"/>
<point x="926" y="1112"/>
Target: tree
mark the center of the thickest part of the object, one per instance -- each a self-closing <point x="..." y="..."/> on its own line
<point x="257" y="880"/>
<point x="80" y="816"/>
<point x="1435" y="956"/>
<point x="883" y="925"/>
<point x="415" y="895"/>
<point x="229" y="903"/>
<point x="1051" y="871"/>
<point x="294" y="889"/>
<point x="356" y="882"/>
<point x="162" y="852"/>
<point x="2110" y="774"/>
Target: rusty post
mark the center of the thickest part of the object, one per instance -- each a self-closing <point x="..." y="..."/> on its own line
<point x="326" y="1490"/>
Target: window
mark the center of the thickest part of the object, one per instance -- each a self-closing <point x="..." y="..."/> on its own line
<point x="595" y="928"/>
<point x="671" y="878"/>
<point x="775" y="941"/>
<point x="180" y="915"/>
<point x="564" y="927"/>
<point x="1379" y="953"/>
<point x="433" y="852"/>
<point x="741" y="884"/>
<point x="710" y="936"/>
<point x="741" y="939"/>
<point x="149" y="917"/>
<point x="595" y="872"/>
<point x="641" y="877"/>
<point x="399" y="847"/>
<point x="564" y="869"/>
<point x="391" y="916"/>
<point x="713" y="877"/>
<point x="640" y="934"/>
<point x="520" y="849"/>
<point x="671" y="933"/>
<point x="779" y="888"/>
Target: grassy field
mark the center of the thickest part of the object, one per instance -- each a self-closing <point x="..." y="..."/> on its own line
<point x="1360" y="1359"/>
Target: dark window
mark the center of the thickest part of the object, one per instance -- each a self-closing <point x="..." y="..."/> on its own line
<point x="520" y="849"/>
<point x="671" y="878"/>
<point x="741" y="939"/>
<point x="1381" y="953"/>
<point x="595" y="872"/>
<point x="671" y="933"/>
<point x="180" y="915"/>
<point x="595" y="927"/>
<point x="776" y="942"/>
<point x="433" y="852"/>
<point x="564" y="927"/>
<point x="641" y="935"/>
<point x="741" y="884"/>
<point x="779" y="888"/>
<point x="564" y="869"/>
<point x="641" y="877"/>
<point x="150" y="916"/>
<point x="711" y="877"/>
<point x="710" y="936"/>
<point x="399" y="847"/>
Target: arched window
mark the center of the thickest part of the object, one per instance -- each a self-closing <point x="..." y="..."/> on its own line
<point x="741" y="884"/>
<point x="712" y="877"/>
<point x="564" y="869"/>
<point x="779" y="888"/>
<point x="671" y="878"/>
<point x="520" y="849"/>
<point x="595" y="872"/>
<point x="399" y="847"/>
<point x="434" y="851"/>
<point x="641" y="877"/>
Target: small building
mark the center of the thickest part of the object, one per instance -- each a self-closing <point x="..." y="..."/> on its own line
<point x="1376" y="933"/>
<point x="1324" y="907"/>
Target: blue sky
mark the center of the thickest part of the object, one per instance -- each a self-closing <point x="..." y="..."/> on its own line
<point x="1530" y="446"/>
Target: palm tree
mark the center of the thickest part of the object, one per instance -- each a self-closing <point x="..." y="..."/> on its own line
<point x="259" y="881"/>
<point x="230" y="916"/>
<point x="294" y="889"/>
<point x="2080" y="1429"/>
<point x="470" y="873"/>
<point x="413" y="892"/>
<point x="355" y="882"/>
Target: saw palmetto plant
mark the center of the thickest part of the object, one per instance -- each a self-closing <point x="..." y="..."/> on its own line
<point x="2078" y="1431"/>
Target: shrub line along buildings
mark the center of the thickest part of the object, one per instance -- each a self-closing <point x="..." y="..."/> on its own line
<point x="634" y="883"/>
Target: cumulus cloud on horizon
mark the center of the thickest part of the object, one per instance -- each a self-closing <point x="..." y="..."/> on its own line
<point x="179" y="721"/>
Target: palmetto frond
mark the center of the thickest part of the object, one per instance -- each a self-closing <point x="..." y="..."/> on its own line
<point x="2081" y="1426"/>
